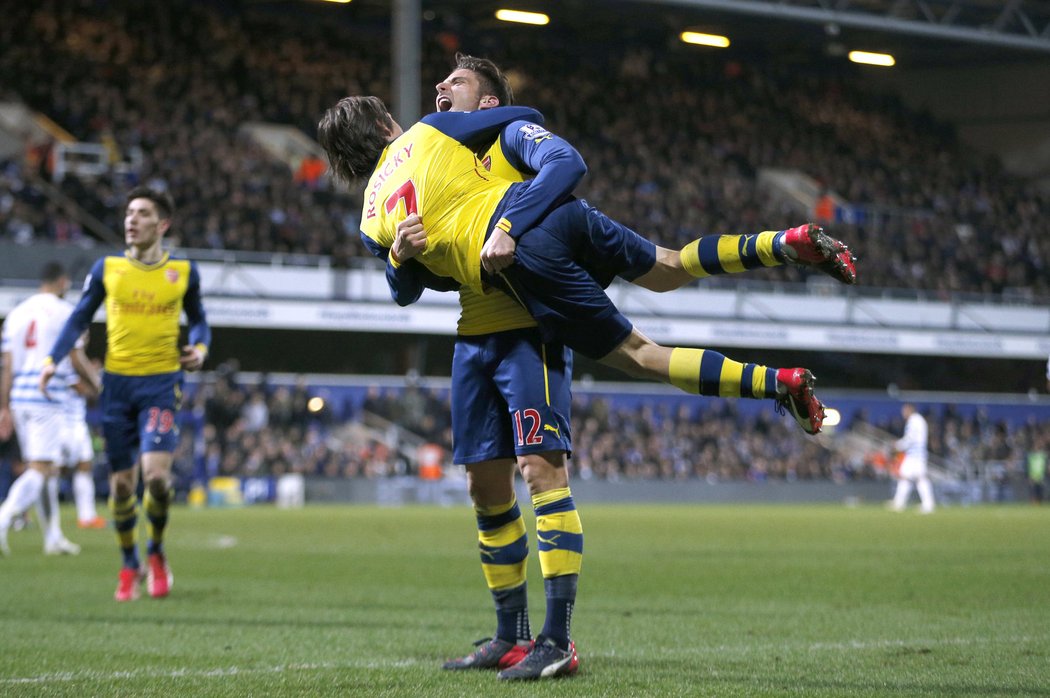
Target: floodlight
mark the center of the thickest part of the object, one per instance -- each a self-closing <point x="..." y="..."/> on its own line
<point x="522" y="17"/>
<point x="702" y="39"/>
<point x="868" y="58"/>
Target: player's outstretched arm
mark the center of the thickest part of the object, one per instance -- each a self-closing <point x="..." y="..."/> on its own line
<point x="80" y="319"/>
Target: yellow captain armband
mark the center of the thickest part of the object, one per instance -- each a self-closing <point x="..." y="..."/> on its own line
<point x="394" y="261"/>
<point x="503" y="224"/>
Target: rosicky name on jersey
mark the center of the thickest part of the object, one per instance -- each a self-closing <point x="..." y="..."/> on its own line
<point x="394" y="161"/>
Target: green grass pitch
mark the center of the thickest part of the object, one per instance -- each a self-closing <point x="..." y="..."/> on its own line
<point x="674" y="601"/>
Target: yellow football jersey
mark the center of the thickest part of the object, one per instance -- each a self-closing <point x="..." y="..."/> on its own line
<point x="144" y="303"/>
<point x="143" y="306"/>
<point x="495" y="311"/>
<point x="427" y="172"/>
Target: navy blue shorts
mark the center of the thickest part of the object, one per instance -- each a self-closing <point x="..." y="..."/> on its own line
<point x="510" y="396"/>
<point x="561" y="270"/>
<point x="139" y="414"/>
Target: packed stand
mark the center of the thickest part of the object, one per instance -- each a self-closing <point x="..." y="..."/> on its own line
<point x="674" y="142"/>
<point x="675" y="440"/>
<point x="257" y="428"/>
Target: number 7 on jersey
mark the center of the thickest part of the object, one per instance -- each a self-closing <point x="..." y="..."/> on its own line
<point x="407" y="193"/>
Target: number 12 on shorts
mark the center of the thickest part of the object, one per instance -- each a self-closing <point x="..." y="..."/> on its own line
<point x="536" y="423"/>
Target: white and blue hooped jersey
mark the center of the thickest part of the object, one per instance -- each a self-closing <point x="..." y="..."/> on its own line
<point x="75" y="403"/>
<point x="29" y="331"/>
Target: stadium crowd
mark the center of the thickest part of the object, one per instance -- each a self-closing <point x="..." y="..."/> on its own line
<point x="674" y="141"/>
<point x="258" y="428"/>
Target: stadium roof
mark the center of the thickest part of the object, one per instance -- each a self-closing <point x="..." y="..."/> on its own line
<point x="921" y="33"/>
<point x="1012" y="24"/>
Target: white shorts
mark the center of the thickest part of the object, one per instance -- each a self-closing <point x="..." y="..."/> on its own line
<point x="76" y="443"/>
<point x="912" y="468"/>
<point x="39" y="432"/>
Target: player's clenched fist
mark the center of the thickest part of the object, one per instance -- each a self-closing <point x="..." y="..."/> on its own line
<point x="498" y="251"/>
<point x="410" y="239"/>
<point x="192" y="357"/>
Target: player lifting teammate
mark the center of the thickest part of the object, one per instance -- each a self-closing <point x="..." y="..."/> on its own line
<point x="569" y="251"/>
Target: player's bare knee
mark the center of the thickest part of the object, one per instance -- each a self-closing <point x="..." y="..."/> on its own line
<point x="543" y="471"/>
<point x="123" y="487"/>
<point x="158" y="486"/>
<point x="479" y="492"/>
<point x="491" y="483"/>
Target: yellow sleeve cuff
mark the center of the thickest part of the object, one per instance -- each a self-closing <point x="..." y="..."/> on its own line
<point x="503" y="224"/>
<point x="48" y="360"/>
<point x="202" y="348"/>
<point x="392" y="258"/>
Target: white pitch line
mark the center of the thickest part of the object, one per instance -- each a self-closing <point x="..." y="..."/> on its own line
<point x="66" y="676"/>
<point x="222" y="672"/>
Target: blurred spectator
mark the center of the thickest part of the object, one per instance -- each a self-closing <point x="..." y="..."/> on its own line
<point x="256" y="413"/>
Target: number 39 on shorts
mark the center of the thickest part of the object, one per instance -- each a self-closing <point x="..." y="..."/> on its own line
<point x="160" y="421"/>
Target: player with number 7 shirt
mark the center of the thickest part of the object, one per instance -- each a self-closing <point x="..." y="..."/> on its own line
<point x="553" y="253"/>
<point x="441" y="220"/>
<point x="145" y="292"/>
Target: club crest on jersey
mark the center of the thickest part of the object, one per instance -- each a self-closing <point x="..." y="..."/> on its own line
<point x="535" y="132"/>
<point x="172" y="274"/>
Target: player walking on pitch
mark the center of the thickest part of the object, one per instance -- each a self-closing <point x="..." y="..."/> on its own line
<point x="145" y="292"/>
<point x="913" y="468"/>
<point x="37" y="418"/>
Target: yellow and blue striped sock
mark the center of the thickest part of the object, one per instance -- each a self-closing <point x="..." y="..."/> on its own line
<point x="156" y="519"/>
<point x="560" y="542"/>
<point x="125" y="520"/>
<point x="706" y="372"/>
<point x="504" y="546"/>
<point x="729" y="254"/>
